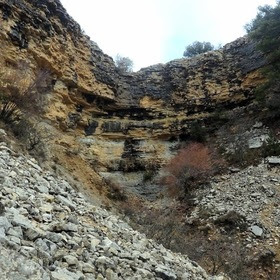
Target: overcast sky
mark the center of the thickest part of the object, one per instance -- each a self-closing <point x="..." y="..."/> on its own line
<point x="157" y="31"/>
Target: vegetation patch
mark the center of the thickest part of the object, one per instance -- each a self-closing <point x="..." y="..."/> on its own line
<point x="265" y="31"/>
<point x="192" y="166"/>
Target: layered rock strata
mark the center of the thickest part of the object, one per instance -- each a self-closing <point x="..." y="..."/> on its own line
<point x="113" y="122"/>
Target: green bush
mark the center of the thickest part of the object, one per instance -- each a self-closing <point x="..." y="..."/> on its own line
<point x="271" y="147"/>
<point x="197" y="48"/>
<point x="265" y="31"/>
<point x="124" y="64"/>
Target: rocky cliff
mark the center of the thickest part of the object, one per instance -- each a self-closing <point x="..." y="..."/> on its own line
<point x="100" y="127"/>
<point x="100" y="120"/>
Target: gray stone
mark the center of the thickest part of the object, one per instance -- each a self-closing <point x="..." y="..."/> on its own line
<point x="100" y="277"/>
<point x="40" y="243"/>
<point x="111" y="275"/>
<point x="2" y="209"/>
<point x="47" y="217"/>
<point x="87" y="141"/>
<point x="13" y="174"/>
<point x="256" y="230"/>
<point x="3" y="237"/>
<point x="15" y="239"/>
<point x="27" y="250"/>
<point x="258" y="125"/>
<point x="87" y="268"/>
<point x="64" y="274"/>
<point x="32" y="234"/>
<point x="34" y="164"/>
<point x="55" y="237"/>
<point x="94" y="242"/>
<point x="107" y="243"/>
<point x="163" y="273"/>
<point x="273" y="160"/>
<point x="41" y="188"/>
<point x="3" y="133"/>
<point x="44" y="257"/>
<point x="20" y="220"/>
<point x="66" y="202"/>
<point x="145" y="256"/>
<point x="68" y="227"/>
<point x="257" y="142"/>
<point x="71" y="260"/>
<point x="59" y="255"/>
<point x="104" y="261"/>
<point x="234" y="169"/>
<point x="4" y="223"/>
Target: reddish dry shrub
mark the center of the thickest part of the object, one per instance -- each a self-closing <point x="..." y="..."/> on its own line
<point x="192" y="165"/>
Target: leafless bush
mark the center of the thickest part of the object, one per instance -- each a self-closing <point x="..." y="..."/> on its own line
<point x="216" y="253"/>
<point x="232" y="220"/>
<point x="22" y="91"/>
<point x="28" y="133"/>
<point x="115" y="191"/>
<point x="193" y="165"/>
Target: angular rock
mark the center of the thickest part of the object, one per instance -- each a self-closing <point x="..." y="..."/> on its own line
<point x="71" y="260"/>
<point x="4" y="223"/>
<point x="273" y="160"/>
<point x="64" y="274"/>
<point x="256" y="230"/>
<point x="32" y="234"/>
<point x="66" y="202"/>
<point x="163" y="273"/>
<point x="87" y="268"/>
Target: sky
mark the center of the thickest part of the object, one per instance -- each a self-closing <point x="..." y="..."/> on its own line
<point x="157" y="31"/>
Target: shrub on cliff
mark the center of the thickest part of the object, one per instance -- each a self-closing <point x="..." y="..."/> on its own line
<point x="265" y="31"/>
<point x="124" y="64"/>
<point x="22" y="92"/>
<point x="197" y="48"/>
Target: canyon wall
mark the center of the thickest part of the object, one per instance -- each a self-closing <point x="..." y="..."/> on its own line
<point x="99" y="121"/>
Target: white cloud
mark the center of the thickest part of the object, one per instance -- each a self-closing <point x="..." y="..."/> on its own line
<point x="153" y="31"/>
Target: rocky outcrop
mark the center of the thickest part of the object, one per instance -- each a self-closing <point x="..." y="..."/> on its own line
<point x="109" y="121"/>
<point x="50" y="231"/>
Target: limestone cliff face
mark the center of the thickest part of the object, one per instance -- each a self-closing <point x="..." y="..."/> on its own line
<point x="102" y="120"/>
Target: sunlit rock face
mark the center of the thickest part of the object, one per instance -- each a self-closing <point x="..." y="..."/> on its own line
<point x="100" y="120"/>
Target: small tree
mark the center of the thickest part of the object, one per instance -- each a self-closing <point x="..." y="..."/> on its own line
<point x="197" y="48"/>
<point x="124" y="64"/>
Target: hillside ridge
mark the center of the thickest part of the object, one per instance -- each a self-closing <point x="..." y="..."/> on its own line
<point x="48" y="230"/>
